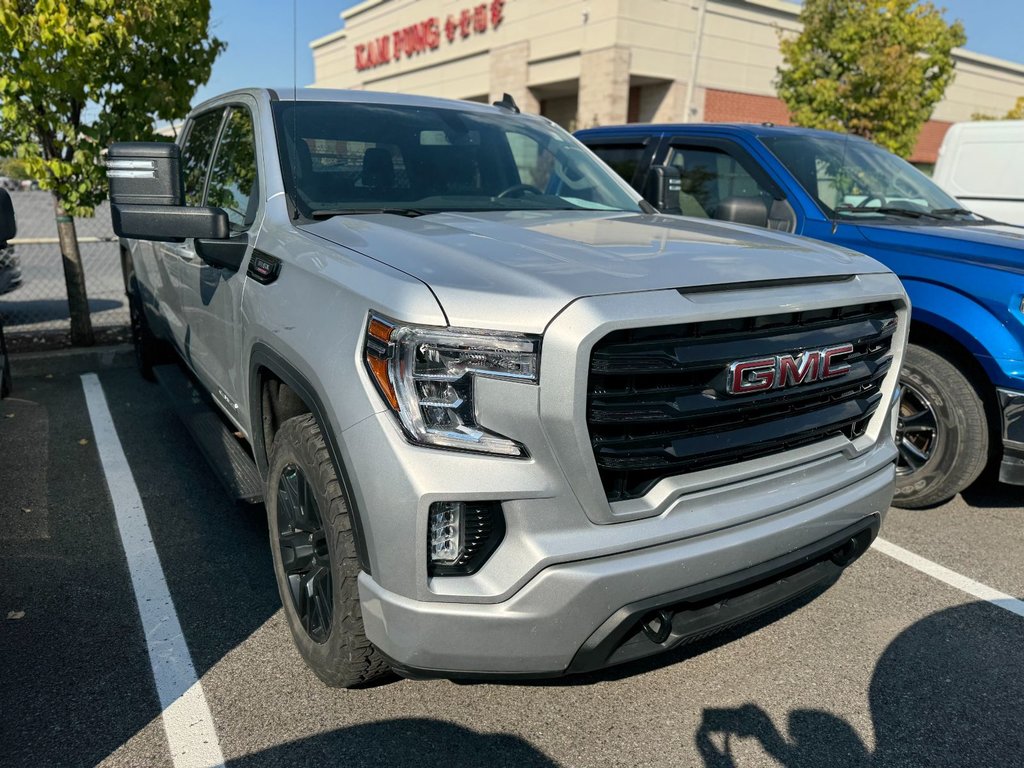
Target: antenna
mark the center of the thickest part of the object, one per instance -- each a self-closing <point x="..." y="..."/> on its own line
<point x="295" y="95"/>
<point x="507" y="102"/>
<point x="839" y="191"/>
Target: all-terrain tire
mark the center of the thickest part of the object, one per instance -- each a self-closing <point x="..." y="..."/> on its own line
<point x="938" y="399"/>
<point x="345" y="658"/>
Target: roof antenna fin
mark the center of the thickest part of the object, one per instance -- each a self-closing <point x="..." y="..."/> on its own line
<point x="507" y="102"/>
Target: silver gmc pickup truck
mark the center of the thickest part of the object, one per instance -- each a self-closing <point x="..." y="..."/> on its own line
<point x="506" y="418"/>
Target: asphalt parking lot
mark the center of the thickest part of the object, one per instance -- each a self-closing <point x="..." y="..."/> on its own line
<point x="890" y="667"/>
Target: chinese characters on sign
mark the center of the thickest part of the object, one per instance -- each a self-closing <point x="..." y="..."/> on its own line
<point x="426" y="36"/>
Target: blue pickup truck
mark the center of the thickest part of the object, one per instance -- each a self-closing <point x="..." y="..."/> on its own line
<point x="963" y="379"/>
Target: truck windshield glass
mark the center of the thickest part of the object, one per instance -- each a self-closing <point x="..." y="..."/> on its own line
<point x="340" y="157"/>
<point x="851" y="178"/>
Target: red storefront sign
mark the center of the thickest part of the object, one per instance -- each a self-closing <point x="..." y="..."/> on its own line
<point x="426" y="35"/>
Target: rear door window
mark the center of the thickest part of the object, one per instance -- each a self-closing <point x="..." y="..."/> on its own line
<point x="196" y="153"/>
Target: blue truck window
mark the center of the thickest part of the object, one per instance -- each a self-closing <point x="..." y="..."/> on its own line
<point x="709" y="176"/>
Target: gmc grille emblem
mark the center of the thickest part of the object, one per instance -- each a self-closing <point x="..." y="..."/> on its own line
<point x="781" y="371"/>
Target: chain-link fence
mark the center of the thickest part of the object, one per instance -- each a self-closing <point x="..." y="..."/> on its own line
<point x="40" y="302"/>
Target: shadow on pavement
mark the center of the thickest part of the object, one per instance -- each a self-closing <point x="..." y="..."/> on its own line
<point x="946" y="692"/>
<point x="29" y="311"/>
<point x="404" y="742"/>
<point x="989" y="493"/>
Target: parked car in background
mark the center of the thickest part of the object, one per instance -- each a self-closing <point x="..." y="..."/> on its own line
<point x="10" y="269"/>
<point x="963" y="380"/>
<point x="8" y="230"/>
<point x="982" y="165"/>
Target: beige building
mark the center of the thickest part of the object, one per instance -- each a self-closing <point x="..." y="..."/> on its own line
<point x="600" y="62"/>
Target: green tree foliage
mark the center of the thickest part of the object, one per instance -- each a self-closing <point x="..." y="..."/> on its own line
<point x="76" y="75"/>
<point x="14" y="168"/>
<point x="1016" y="112"/>
<point x="874" y="68"/>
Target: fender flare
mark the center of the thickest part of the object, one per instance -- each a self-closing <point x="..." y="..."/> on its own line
<point x="263" y="356"/>
<point x="969" y="323"/>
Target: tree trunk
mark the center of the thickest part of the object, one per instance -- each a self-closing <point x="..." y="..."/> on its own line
<point x="74" y="278"/>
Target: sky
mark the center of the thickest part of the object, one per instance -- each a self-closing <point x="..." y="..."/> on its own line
<point x="260" y="35"/>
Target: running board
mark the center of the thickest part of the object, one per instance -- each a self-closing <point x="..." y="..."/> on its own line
<point x="231" y="462"/>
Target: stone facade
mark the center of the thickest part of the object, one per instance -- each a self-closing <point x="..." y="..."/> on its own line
<point x="601" y="62"/>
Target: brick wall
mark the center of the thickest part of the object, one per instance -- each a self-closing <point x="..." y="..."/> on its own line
<point x="734" y="107"/>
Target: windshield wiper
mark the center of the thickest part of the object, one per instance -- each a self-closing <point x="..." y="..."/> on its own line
<point x="951" y="212"/>
<point x="885" y="210"/>
<point x="410" y="212"/>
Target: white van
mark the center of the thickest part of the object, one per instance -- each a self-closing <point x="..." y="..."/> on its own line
<point x="982" y="165"/>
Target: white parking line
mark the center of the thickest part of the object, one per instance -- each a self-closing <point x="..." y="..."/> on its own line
<point x="952" y="578"/>
<point x="186" y="715"/>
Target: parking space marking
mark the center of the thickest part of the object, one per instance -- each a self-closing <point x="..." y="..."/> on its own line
<point x="186" y="715"/>
<point x="952" y="578"/>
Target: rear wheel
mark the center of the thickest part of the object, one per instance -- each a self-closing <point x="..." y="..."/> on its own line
<point x="942" y="434"/>
<point x="315" y="558"/>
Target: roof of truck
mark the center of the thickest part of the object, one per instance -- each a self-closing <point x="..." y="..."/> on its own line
<point x="340" y="95"/>
<point x="754" y="129"/>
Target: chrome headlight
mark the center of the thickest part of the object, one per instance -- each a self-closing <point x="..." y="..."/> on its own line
<point x="427" y="375"/>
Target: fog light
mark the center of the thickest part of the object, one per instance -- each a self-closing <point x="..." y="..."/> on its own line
<point x="462" y="535"/>
<point x="446" y="532"/>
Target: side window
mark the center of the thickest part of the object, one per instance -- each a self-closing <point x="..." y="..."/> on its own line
<point x="195" y="155"/>
<point x="233" y="183"/>
<point x="708" y="176"/>
<point x="621" y="158"/>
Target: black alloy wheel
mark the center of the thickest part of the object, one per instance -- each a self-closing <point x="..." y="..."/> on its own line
<point x="316" y="564"/>
<point x="942" y="430"/>
<point x="917" y="431"/>
<point x="305" y="557"/>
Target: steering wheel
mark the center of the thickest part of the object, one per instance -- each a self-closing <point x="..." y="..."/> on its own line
<point x="520" y="189"/>
<point x="864" y="203"/>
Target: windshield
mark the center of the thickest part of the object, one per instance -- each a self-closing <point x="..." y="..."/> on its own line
<point x="341" y="158"/>
<point x="850" y="177"/>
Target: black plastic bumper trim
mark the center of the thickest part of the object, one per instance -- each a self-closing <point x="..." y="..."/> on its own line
<point x="753" y="591"/>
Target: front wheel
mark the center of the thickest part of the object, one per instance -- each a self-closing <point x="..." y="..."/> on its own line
<point x="942" y="433"/>
<point x="315" y="559"/>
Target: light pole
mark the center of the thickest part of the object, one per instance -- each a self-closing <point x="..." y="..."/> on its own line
<point x="698" y="40"/>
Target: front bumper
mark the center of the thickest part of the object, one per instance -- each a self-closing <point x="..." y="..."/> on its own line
<point x="1011" y="408"/>
<point x="570" y="560"/>
<point x="583" y="615"/>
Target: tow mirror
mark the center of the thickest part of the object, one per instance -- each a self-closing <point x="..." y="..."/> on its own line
<point x="743" y="210"/>
<point x="663" y="188"/>
<point x="147" y="199"/>
<point x="8" y="226"/>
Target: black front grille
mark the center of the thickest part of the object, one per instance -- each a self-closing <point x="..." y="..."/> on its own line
<point x="657" y="404"/>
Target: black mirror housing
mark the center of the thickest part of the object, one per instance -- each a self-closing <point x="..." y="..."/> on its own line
<point x="147" y="197"/>
<point x="145" y="173"/>
<point x="166" y="223"/>
<point x="8" y="226"/>
<point x="743" y="210"/>
<point x="663" y="188"/>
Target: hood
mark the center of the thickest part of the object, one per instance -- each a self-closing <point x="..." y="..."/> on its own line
<point x="991" y="245"/>
<point x="515" y="270"/>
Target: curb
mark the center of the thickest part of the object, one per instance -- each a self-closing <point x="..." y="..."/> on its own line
<point x="69" y="361"/>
